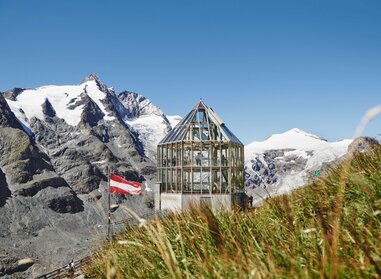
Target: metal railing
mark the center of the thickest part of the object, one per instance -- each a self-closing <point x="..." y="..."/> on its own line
<point x="64" y="272"/>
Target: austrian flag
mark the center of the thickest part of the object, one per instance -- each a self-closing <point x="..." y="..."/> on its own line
<point x="121" y="186"/>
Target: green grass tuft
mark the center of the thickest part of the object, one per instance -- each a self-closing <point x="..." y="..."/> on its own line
<point x="331" y="228"/>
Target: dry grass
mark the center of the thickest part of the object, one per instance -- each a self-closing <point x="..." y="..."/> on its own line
<point x="331" y="228"/>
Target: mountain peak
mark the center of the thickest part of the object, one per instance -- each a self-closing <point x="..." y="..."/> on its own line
<point x="291" y="139"/>
<point x="303" y="133"/>
<point x="297" y="130"/>
<point x="102" y="87"/>
<point x="13" y="93"/>
<point x="92" y="76"/>
<point x="7" y="117"/>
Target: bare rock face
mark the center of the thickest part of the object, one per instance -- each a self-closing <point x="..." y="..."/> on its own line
<point x="64" y="201"/>
<point x="30" y="189"/>
<point x="26" y="171"/>
<point x="10" y="265"/>
<point x="91" y="114"/>
<point x="363" y="145"/>
<point x="48" y="109"/>
<point x="13" y="93"/>
<point x="272" y="166"/>
<point x="137" y="105"/>
<point x="5" y="193"/>
<point x="7" y="118"/>
<point x="21" y="160"/>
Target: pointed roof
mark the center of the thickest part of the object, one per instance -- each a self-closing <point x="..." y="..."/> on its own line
<point x="214" y="129"/>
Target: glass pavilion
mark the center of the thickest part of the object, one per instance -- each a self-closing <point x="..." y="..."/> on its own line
<point x="200" y="158"/>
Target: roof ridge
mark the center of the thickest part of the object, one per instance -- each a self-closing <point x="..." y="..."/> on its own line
<point x="214" y="130"/>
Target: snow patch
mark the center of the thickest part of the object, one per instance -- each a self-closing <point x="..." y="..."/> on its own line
<point x="99" y="162"/>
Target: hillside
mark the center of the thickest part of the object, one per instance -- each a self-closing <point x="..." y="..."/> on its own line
<point x="330" y="228"/>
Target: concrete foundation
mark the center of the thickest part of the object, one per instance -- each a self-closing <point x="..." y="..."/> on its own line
<point x="181" y="202"/>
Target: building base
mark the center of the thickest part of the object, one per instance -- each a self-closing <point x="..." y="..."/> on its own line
<point x="181" y="201"/>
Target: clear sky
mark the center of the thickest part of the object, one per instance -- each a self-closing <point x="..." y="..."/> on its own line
<point x="264" y="66"/>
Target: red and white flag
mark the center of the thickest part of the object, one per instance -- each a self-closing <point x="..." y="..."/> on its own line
<point x="121" y="186"/>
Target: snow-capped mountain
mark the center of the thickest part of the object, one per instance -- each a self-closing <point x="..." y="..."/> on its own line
<point x="56" y="144"/>
<point x="68" y="102"/>
<point x="284" y="162"/>
<point x="147" y="120"/>
<point x="81" y="127"/>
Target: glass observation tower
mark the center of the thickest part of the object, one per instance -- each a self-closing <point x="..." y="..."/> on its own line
<point x="200" y="161"/>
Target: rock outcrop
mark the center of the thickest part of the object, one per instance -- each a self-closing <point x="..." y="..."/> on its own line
<point x="10" y="265"/>
<point x="362" y="145"/>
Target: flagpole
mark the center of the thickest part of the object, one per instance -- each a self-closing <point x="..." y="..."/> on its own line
<point x="109" y="205"/>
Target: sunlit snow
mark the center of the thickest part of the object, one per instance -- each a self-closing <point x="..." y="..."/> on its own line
<point x="29" y="103"/>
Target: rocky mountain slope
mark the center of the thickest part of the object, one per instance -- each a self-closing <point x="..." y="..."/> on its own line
<point x="286" y="161"/>
<point x="56" y="143"/>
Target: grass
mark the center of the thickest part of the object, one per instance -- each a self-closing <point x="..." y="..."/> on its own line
<point x="331" y="228"/>
<point x="19" y="143"/>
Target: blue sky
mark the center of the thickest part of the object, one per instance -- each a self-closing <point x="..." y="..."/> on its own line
<point x="264" y="66"/>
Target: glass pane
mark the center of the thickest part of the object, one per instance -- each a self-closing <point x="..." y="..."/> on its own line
<point x="206" y="182"/>
<point x="215" y="181"/>
<point x="179" y="181"/>
<point x="165" y="156"/>
<point x="205" y="134"/>
<point x="224" y="157"/>
<point x="205" y="157"/>
<point x="230" y="135"/>
<point x="224" y="182"/>
<point x="198" y="158"/>
<point x="187" y="156"/>
<point x="196" y="181"/>
<point x="187" y="181"/>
